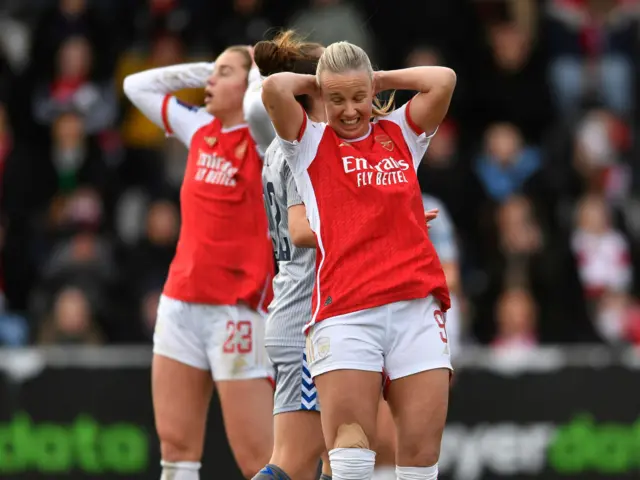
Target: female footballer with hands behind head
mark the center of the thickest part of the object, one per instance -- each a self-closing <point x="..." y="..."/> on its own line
<point x="209" y="325"/>
<point x="380" y="292"/>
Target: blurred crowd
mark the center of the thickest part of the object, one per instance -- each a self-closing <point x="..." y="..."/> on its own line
<point x="536" y="165"/>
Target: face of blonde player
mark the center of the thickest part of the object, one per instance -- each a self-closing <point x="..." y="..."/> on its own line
<point x="348" y="99"/>
<point x="227" y="85"/>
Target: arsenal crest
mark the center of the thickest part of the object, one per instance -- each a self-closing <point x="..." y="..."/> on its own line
<point x="211" y="141"/>
<point x="385" y="141"/>
<point x="241" y="149"/>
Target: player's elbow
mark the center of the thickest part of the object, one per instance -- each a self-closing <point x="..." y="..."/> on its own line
<point x="270" y="89"/>
<point x="448" y="79"/>
<point x="439" y="80"/>
<point x="130" y="86"/>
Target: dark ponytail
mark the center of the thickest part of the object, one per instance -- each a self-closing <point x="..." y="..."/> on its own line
<point x="287" y="52"/>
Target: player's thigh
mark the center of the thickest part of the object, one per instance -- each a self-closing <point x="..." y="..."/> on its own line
<point x="234" y="342"/>
<point x="247" y="411"/>
<point x="419" y="404"/>
<point x="345" y="359"/>
<point x="386" y="438"/>
<point x="181" y="396"/>
<point x="181" y="381"/>
<point x="178" y="335"/>
<point x="419" y="367"/>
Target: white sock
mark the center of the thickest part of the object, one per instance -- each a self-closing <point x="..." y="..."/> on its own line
<point x="384" y="473"/>
<point x="417" y="473"/>
<point x="352" y="463"/>
<point x="180" y="470"/>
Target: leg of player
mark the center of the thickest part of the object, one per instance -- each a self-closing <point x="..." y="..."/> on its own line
<point x="345" y="355"/>
<point x="298" y="444"/>
<point x="385" y="444"/>
<point x="418" y="363"/>
<point x="181" y="396"/>
<point x="298" y="440"/>
<point x="419" y="406"/>
<point x="349" y="410"/>
<point x="234" y="338"/>
<point x="247" y="412"/>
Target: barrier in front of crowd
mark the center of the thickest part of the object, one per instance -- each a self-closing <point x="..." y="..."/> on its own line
<point x="85" y="413"/>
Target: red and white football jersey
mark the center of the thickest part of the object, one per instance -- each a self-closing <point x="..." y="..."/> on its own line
<point x="224" y="254"/>
<point x="364" y="204"/>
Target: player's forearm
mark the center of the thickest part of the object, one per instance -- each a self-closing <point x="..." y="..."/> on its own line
<point x="279" y="93"/>
<point x="422" y="79"/>
<point x="164" y="80"/>
<point x="287" y="84"/>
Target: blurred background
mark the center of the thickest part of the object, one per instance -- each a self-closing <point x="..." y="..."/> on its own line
<point x="536" y="171"/>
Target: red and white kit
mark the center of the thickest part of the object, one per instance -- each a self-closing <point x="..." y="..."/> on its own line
<point x="220" y="279"/>
<point x="380" y="292"/>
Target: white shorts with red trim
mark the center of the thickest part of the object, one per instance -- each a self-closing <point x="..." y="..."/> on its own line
<point x="401" y="339"/>
<point x="226" y="339"/>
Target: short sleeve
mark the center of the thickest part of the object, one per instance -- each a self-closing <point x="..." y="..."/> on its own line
<point x="182" y="120"/>
<point x="300" y="153"/>
<point x="417" y="140"/>
<point x="293" y="196"/>
<point x="442" y="231"/>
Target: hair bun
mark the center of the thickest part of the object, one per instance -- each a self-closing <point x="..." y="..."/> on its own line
<point x="266" y="55"/>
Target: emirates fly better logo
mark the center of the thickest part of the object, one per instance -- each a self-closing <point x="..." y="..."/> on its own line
<point x="388" y="171"/>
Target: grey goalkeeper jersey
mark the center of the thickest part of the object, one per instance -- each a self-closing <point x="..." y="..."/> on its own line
<point x="290" y="309"/>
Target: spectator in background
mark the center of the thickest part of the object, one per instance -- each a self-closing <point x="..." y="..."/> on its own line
<point x="148" y="261"/>
<point x="70" y="321"/>
<point x="75" y="158"/>
<point x="526" y="256"/>
<point x="65" y="19"/>
<point x="617" y="318"/>
<point x="510" y="85"/>
<point x="72" y="88"/>
<point x="246" y="25"/>
<point x="507" y="166"/>
<point x="329" y="21"/>
<point x="592" y="44"/>
<point x="601" y="140"/>
<point x="516" y="320"/>
<point x="602" y="251"/>
<point x="78" y="255"/>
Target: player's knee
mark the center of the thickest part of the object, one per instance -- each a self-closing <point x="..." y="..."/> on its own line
<point x="351" y="436"/>
<point x="351" y="456"/>
<point x="417" y="455"/>
<point x="179" y="448"/>
<point x="251" y="460"/>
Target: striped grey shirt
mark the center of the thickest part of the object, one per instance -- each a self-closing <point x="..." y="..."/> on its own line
<point x="290" y="309"/>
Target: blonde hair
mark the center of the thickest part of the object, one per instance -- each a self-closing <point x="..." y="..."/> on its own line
<point x="342" y="57"/>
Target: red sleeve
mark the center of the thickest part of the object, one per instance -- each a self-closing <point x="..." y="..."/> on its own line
<point x="165" y="114"/>
<point x="416" y="129"/>
<point x="304" y="124"/>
